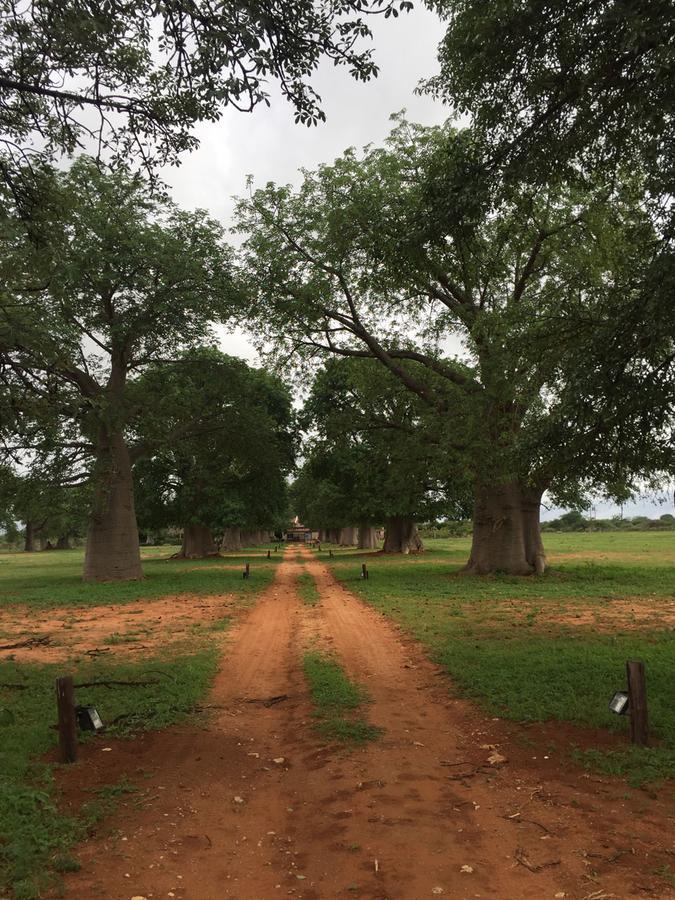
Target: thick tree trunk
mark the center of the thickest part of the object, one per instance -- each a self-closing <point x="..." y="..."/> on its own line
<point x="231" y="539"/>
<point x="347" y="537"/>
<point x="323" y="535"/>
<point x="506" y="533"/>
<point x="29" y="538"/>
<point x="63" y="542"/>
<point x="333" y="535"/>
<point x="112" y="552"/>
<point x="198" y="542"/>
<point x="367" y="537"/>
<point x="401" y="536"/>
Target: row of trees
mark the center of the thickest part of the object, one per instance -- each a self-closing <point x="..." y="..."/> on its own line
<point x="576" y="521"/>
<point x="374" y="458"/>
<point x="563" y="383"/>
<point x="113" y="400"/>
<point x="109" y="365"/>
<point x="500" y="296"/>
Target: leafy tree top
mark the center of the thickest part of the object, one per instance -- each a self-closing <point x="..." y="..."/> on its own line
<point x="558" y="83"/>
<point x="220" y="440"/>
<point x="111" y="280"/>
<point x="401" y="252"/>
<point x="137" y="75"/>
<point x="376" y="451"/>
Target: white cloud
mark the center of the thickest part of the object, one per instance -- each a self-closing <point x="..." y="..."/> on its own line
<point x="270" y="146"/>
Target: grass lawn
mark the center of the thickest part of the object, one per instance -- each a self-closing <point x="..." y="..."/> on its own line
<point x="544" y="648"/>
<point x="47" y="580"/>
<point x="35" y="838"/>
<point x="337" y="701"/>
<point x="309" y="593"/>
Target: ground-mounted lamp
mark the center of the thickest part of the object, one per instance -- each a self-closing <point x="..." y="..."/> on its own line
<point x="88" y="719"/>
<point x="619" y="703"/>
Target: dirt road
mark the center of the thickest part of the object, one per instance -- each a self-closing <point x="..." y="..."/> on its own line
<point x="255" y="805"/>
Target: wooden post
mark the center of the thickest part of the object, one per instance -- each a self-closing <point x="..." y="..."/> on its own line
<point x="247" y="570"/>
<point x="269" y="555"/>
<point x="65" y="704"/>
<point x="364" y="571"/>
<point x="637" y="703"/>
<point x="330" y="552"/>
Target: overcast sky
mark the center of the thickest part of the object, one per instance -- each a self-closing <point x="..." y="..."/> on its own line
<point x="268" y="145"/>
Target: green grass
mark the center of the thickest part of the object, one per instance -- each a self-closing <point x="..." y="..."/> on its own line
<point x="35" y="838"/>
<point x="337" y="700"/>
<point x="49" y="580"/>
<point x="117" y="638"/>
<point x="307" y="589"/>
<point x="511" y="643"/>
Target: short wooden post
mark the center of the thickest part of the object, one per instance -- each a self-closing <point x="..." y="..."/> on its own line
<point x="330" y="553"/>
<point x="637" y="703"/>
<point x="269" y="555"/>
<point x="65" y="704"/>
<point x="364" y="571"/>
<point x="247" y="570"/>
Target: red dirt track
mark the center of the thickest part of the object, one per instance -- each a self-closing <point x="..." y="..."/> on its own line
<point x="416" y="814"/>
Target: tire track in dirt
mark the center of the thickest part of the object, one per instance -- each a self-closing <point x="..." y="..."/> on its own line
<point x="523" y="836"/>
<point x="395" y="820"/>
<point x="211" y="795"/>
<point x="422" y="826"/>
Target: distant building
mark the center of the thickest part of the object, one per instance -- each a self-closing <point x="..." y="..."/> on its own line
<point x="299" y="533"/>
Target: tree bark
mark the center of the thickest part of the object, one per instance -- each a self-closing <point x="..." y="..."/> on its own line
<point x="29" y="538"/>
<point x="231" y="539"/>
<point x="347" y="537"/>
<point x="367" y="537"/>
<point x="401" y="536"/>
<point x="506" y="532"/>
<point x="534" y="545"/>
<point x="198" y="542"/>
<point x="112" y="552"/>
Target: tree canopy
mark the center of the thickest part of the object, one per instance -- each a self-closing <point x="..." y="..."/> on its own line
<point x="564" y="83"/>
<point x="406" y="251"/>
<point x="111" y="280"/>
<point x="375" y="455"/>
<point x="134" y="77"/>
<point x="221" y="442"/>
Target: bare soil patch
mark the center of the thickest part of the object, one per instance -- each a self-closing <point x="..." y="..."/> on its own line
<point x="625" y="614"/>
<point x="255" y="805"/>
<point x="125" y="629"/>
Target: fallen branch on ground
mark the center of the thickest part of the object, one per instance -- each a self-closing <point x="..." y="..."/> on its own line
<point x="521" y="856"/>
<point x="29" y="642"/>
<point x="516" y="818"/>
<point x="269" y="701"/>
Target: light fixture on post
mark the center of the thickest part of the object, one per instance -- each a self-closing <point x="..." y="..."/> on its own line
<point x="619" y="703"/>
<point x="88" y="718"/>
